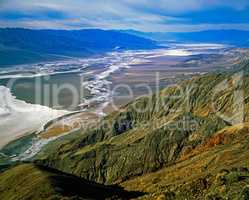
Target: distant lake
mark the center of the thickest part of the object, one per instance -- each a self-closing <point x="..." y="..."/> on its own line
<point x="25" y="89"/>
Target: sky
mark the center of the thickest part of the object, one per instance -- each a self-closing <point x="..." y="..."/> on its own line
<point x="141" y="15"/>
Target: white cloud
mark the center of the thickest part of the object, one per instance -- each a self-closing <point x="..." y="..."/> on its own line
<point x="177" y="6"/>
<point x="144" y="15"/>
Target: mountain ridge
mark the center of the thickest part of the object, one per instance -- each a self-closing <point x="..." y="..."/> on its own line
<point x="45" y="183"/>
<point x="209" y="36"/>
<point x="22" y="46"/>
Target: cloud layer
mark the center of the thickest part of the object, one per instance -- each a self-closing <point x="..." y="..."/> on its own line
<point x="143" y="15"/>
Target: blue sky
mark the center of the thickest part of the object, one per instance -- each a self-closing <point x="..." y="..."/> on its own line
<point x="143" y="15"/>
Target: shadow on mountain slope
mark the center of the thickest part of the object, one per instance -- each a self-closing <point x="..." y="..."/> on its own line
<point x="30" y="181"/>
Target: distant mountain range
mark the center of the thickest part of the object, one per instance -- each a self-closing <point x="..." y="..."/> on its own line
<point x="232" y="37"/>
<point x="21" y="46"/>
<point x="18" y="46"/>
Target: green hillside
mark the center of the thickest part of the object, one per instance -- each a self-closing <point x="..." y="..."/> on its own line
<point x="190" y="142"/>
